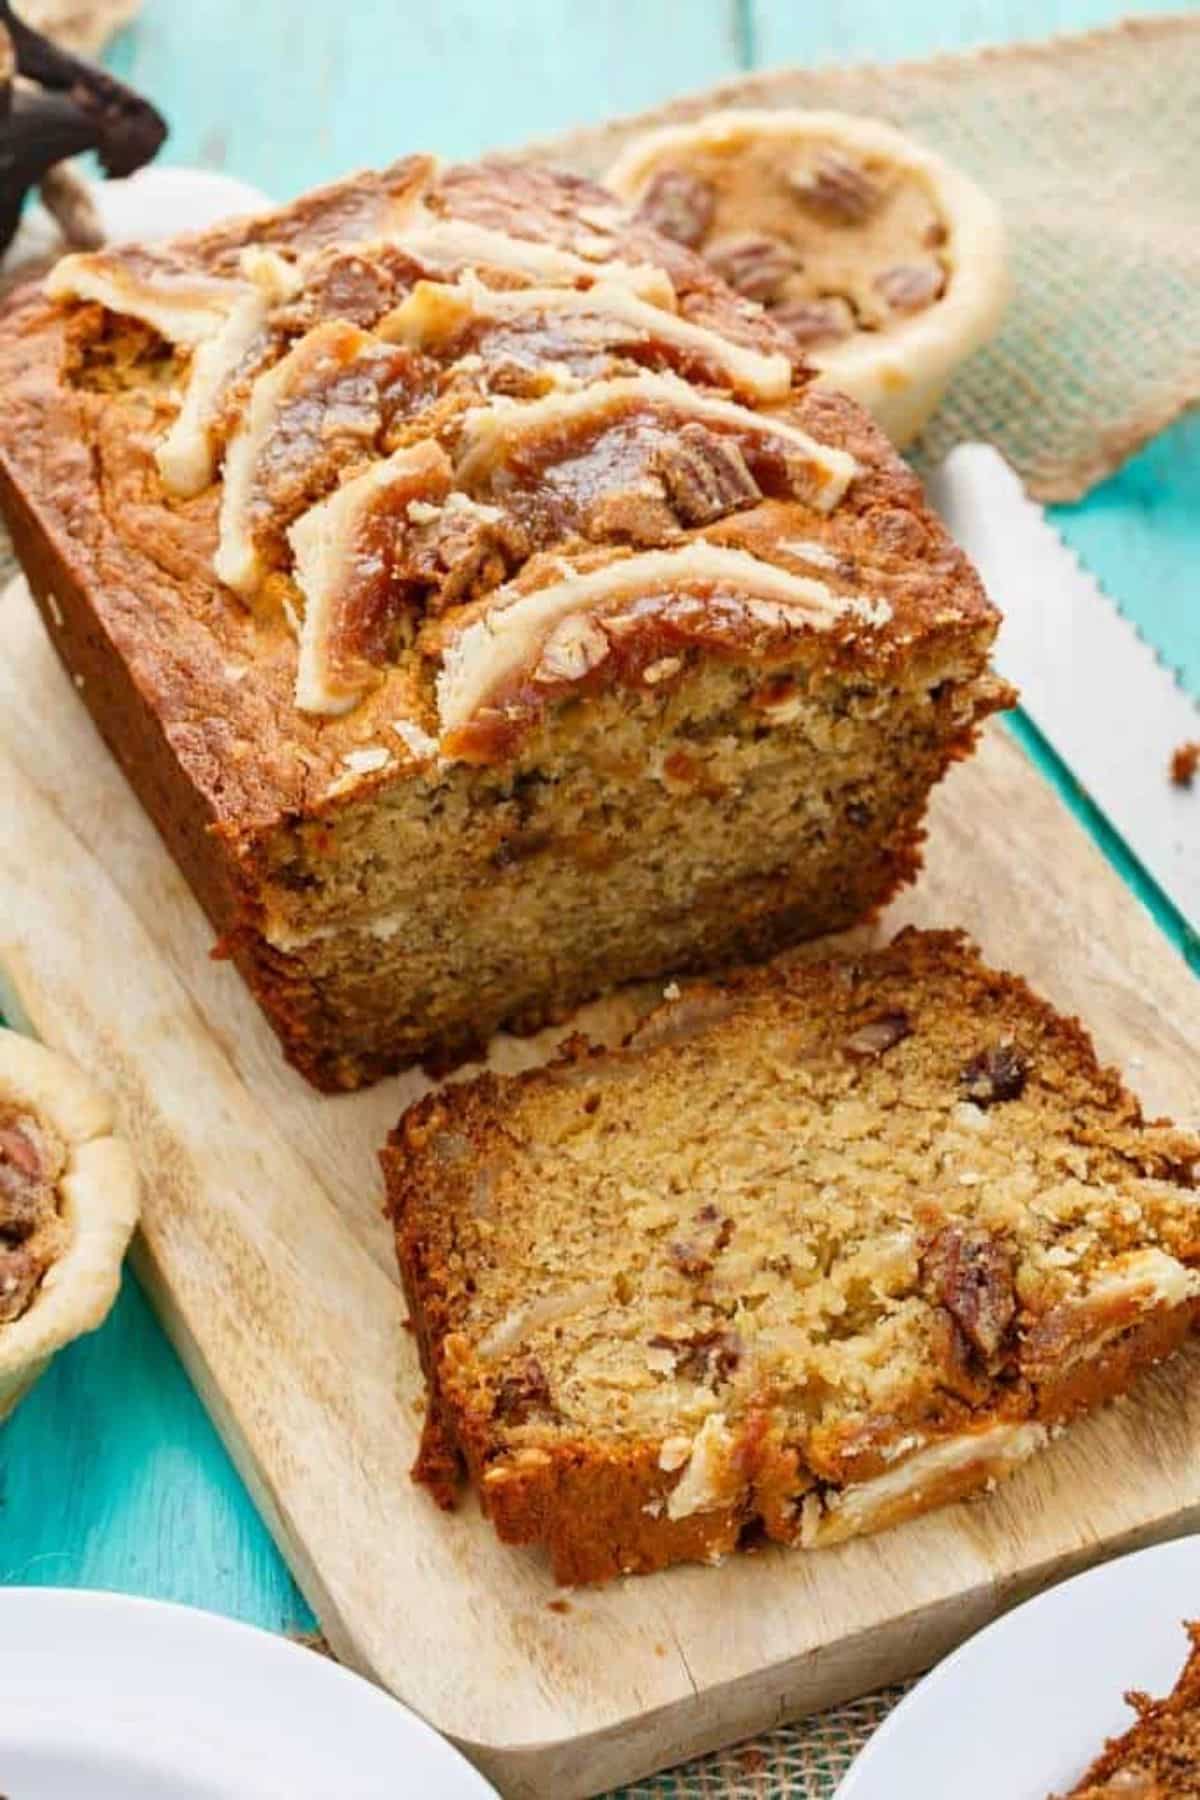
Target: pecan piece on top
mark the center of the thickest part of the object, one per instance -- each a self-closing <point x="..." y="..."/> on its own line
<point x="878" y="1035"/>
<point x="910" y="286"/>
<point x="811" y="322"/>
<point x="634" y="515"/>
<point x="705" y="475"/>
<point x="836" y="188"/>
<point x="971" y="1272"/>
<point x="679" y="205"/>
<point x="755" y="265"/>
<point x="959" y="1370"/>
<point x="996" y="1074"/>
<point x="459" y="555"/>
<point x="525" y="1391"/>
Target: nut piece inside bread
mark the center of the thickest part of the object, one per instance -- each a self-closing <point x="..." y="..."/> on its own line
<point x="483" y="600"/>
<point x="817" y="1250"/>
<point x="885" y="263"/>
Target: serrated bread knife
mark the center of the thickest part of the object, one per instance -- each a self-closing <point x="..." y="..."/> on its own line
<point x="1093" y="687"/>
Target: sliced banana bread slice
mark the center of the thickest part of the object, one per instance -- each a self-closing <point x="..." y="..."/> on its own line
<point x="818" y="1249"/>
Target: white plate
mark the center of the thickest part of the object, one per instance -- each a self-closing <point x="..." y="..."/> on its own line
<point x="122" y="1699"/>
<point x="154" y="203"/>
<point x="159" y="201"/>
<point x="1021" y="1710"/>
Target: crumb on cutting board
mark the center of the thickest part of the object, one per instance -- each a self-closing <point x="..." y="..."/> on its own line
<point x="1185" y="760"/>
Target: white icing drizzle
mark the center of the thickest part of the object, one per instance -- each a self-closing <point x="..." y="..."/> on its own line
<point x="511" y="633"/>
<point x="185" y="306"/>
<point x="435" y="311"/>
<point x="487" y="430"/>
<point x="328" y="562"/>
<point x="460" y="243"/>
<point x="185" y="457"/>
<point x="855" y="1508"/>
<point x="370" y="760"/>
<point x="237" y="562"/>
<point x="710" y="1478"/>
<point x="811" y="550"/>
<point x="416" y="741"/>
<point x="1150" y="1276"/>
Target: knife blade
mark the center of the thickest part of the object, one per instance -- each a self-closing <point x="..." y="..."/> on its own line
<point x="1091" y="684"/>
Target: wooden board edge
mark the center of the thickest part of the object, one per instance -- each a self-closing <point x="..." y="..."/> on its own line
<point x="789" y="1690"/>
<point x="32" y="1014"/>
<point x="287" y="1541"/>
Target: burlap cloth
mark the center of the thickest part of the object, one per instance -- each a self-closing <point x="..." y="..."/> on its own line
<point x="798" y="1762"/>
<point x="1092" y="146"/>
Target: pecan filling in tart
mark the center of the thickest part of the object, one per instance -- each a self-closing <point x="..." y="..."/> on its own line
<point x="68" y="1206"/>
<point x="32" y="1232"/>
<point x="884" y="263"/>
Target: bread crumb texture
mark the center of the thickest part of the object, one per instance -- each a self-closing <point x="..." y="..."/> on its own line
<point x="816" y="1250"/>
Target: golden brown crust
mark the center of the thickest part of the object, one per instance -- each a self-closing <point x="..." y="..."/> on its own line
<point x="80" y="487"/>
<point x="1015" y="1343"/>
<point x="84" y="505"/>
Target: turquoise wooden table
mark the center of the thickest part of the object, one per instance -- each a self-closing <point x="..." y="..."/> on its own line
<point x="110" y="1474"/>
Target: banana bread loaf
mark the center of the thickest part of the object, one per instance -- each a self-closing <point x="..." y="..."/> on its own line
<point x="817" y="1250"/>
<point x="885" y="262"/>
<point x="482" y="602"/>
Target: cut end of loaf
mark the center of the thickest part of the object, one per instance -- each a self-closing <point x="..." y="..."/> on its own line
<point x="698" y="813"/>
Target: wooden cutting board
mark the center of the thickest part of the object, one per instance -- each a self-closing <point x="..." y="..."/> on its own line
<point x="267" y="1256"/>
